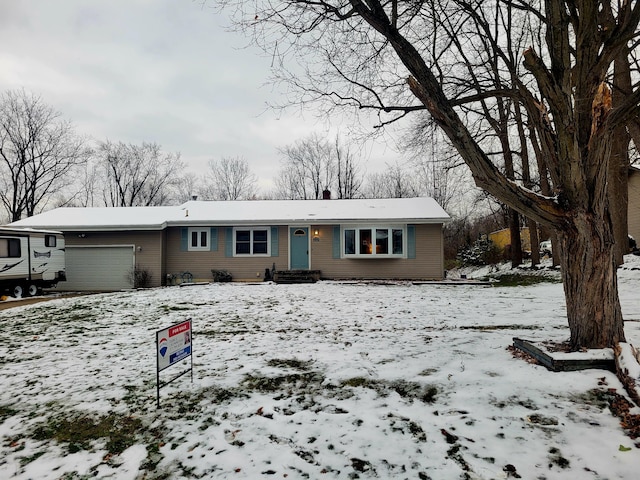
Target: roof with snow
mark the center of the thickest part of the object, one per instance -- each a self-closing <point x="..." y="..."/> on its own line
<point x="251" y="212"/>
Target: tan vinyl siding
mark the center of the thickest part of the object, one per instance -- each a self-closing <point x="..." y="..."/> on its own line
<point x="148" y="247"/>
<point x="200" y="263"/>
<point x="634" y="205"/>
<point x="428" y="264"/>
<point x="160" y="253"/>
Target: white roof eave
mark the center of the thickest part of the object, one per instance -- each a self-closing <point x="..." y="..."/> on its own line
<point x="306" y="221"/>
<point x="242" y="213"/>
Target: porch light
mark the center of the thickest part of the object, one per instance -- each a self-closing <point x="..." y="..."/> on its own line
<point x="316" y="232"/>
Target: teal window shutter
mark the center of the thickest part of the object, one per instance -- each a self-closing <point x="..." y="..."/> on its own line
<point x="411" y="241"/>
<point x="336" y="242"/>
<point x="228" y="242"/>
<point x="184" y="239"/>
<point x="213" y="243"/>
<point x="274" y="242"/>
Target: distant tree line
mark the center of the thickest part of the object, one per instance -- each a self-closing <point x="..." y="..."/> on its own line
<point x="46" y="164"/>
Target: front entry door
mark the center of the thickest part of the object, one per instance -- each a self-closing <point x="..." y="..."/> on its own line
<point x="299" y="253"/>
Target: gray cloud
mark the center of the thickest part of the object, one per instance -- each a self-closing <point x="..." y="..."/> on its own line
<point x="149" y="70"/>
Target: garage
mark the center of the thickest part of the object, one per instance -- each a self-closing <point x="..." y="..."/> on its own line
<point x="98" y="268"/>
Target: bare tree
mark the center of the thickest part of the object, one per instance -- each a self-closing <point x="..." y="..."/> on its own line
<point x="371" y="55"/>
<point x="138" y="175"/>
<point x="439" y="170"/>
<point x="348" y="177"/>
<point x="188" y="187"/>
<point x="87" y="191"/>
<point x="230" y="179"/>
<point x="394" y="182"/>
<point x="308" y="169"/>
<point x="313" y="165"/>
<point x="38" y="152"/>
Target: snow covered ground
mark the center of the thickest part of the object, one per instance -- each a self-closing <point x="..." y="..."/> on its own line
<point x="317" y="381"/>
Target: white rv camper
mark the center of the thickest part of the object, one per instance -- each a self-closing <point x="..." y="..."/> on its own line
<point x="30" y="260"/>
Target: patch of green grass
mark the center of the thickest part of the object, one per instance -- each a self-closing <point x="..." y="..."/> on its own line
<point x="499" y="327"/>
<point x="218" y="395"/>
<point x="267" y="384"/>
<point x="26" y="460"/>
<point x="409" y="390"/>
<point x="414" y="390"/>
<point x="174" y="308"/>
<point x="521" y="280"/>
<point x="221" y="333"/>
<point x="600" y="399"/>
<point x="556" y="458"/>
<point x="6" y="412"/>
<point x="290" y="363"/>
<point x="356" y="382"/>
<point x="79" y="431"/>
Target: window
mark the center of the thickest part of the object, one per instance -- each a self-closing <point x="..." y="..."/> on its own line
<point x="198" y="239"/>
<point x="382" y="241"/>
<point x="251" y="241"/>
<point x="349" y="242"/>
<point x="10" y="248"/>
<point x="49" y="240"/>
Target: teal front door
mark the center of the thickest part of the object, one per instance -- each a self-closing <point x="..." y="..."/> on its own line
<point x="299" y="253"/>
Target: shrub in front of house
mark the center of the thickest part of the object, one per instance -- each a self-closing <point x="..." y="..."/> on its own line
<point x="140" y="277"/>
<point x="221" y="276"/>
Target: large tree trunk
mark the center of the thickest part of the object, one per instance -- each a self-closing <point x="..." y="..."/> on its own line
<point x="619" y="195"/>
<point x="534" y="242"/>
<point x="619" y="165"/>
<point x="590" y="283"/>
<point x="516" y="240"/>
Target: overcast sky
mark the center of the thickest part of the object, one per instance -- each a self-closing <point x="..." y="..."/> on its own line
<point x="164" y="71"/>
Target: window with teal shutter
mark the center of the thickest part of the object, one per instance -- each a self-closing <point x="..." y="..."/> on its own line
<point x="336" y="242"/>
<point x="184" y="239"/>
<point x="274" y="242"/>
<point x="411" y="241"/>
<point x="214" y="240"/>
<point x="228" y="242"/>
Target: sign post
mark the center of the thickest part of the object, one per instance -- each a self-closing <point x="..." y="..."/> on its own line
<point x="173" y="344"/>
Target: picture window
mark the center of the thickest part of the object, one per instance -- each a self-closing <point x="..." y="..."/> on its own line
<point x="376" y="241"/>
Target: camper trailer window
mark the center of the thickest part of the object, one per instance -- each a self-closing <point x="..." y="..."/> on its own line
<point x="49" y="240"/>
<point x="10" y="248"/>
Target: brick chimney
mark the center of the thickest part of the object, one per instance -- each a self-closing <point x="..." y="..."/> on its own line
<point x="326" y="194"/>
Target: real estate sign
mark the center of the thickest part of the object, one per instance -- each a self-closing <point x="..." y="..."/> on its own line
<point x="174" y="344"/>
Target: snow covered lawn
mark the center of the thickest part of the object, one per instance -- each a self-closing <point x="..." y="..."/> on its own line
<point x="325" y="381"/>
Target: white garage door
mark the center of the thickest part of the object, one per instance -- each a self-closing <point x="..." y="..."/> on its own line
<point x="98" y="268"/>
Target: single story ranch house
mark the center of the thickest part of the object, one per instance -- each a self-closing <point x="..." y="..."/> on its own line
<point x="340" y="239"/>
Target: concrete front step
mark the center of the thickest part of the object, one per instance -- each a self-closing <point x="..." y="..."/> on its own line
<point x="296" y="276"/>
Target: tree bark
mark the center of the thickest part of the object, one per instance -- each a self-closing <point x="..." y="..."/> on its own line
<point x="534" y="241"/>
<point x="516" y="240"/>
<point x="619" y="164"/>
<point x="590" y="282"/>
